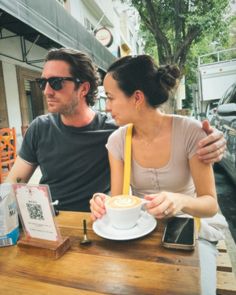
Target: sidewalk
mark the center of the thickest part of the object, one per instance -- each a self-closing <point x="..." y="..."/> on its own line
<point x="231" y="247"/>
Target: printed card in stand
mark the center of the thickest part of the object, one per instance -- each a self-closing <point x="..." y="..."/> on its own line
<point x="41" y="233"/>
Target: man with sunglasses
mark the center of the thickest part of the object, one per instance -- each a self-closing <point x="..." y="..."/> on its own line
<point x="68" y="143"/>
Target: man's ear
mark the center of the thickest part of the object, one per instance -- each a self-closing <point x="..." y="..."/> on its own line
<point x="84" y="88"/>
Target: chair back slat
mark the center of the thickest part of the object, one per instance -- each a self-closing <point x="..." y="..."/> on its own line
<point x="7" y="151"/>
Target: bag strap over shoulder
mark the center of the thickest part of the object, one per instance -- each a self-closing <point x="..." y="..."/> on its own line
<point x="197" y="223"/>
<point x="127" y="160"/>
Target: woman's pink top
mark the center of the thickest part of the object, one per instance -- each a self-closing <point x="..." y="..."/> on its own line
<point x="173" y="177"/>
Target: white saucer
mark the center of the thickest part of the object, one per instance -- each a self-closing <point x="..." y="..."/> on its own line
<point x="144" y="226"/>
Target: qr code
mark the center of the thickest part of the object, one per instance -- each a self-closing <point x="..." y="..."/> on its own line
<point x="35" y="211"/>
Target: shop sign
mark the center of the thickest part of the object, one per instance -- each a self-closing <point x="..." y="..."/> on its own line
<point x="104" y="36"/>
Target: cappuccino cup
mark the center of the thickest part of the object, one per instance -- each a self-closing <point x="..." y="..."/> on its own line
<point x="123" y="211"/>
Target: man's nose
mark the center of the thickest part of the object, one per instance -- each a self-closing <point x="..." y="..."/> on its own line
<point x="48" y="89"/>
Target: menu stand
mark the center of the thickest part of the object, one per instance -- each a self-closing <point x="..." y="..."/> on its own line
<point x="45" y="248"/>
<point x="41" y="235"/>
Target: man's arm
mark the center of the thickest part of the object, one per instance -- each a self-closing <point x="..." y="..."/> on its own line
<point x="211" y="149"/>
<point x="21" y="171"/>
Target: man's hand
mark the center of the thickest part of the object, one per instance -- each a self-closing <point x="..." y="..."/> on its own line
<point x="211" y="149"/>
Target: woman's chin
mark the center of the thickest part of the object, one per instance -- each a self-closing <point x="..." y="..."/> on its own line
<point x="120" y="122"/>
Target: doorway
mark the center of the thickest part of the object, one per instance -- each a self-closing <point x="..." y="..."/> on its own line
<point x="32" y="101"/>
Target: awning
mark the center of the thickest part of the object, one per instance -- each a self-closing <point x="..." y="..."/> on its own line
<point x="48" y="24"/>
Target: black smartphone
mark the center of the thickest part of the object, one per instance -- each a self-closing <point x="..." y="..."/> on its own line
<point x="179" y="233"/>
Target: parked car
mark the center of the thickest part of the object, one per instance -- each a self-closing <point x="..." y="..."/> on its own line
<point x="211" y="109"/>
<point x="224" y="119"/>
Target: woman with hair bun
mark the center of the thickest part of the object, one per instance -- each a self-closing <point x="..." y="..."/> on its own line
<point x="165" y="168"/>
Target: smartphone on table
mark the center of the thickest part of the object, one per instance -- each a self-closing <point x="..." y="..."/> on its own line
<point x="179" y="233"/>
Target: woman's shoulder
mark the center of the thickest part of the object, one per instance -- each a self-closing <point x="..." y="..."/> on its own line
<point x="117" y="138"/>
<point x="187" y="123"/>
<point x="190" y="131"/>
<point x="116" y="142"/>
<point x="120" y="132"/>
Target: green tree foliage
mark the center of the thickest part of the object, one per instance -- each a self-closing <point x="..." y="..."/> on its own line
<point x="178" y="31"/>
<point x="232" y="40"/>
<point x="174" y="26"/>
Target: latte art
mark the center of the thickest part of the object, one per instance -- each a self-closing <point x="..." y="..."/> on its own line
<point x="124" y="201"/>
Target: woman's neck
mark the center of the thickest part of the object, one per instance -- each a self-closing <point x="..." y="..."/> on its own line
<point x="150" y="125"/>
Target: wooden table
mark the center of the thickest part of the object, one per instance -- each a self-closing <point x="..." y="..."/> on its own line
<point x="136" y="267"/>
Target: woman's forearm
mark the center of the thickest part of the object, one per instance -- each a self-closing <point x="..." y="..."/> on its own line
<point x="202" y="206"/>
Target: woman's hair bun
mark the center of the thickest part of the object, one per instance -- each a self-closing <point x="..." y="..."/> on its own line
<point x="167" y="75"/>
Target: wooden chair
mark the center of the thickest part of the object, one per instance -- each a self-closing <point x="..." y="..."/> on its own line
<point x="7" y="151"/>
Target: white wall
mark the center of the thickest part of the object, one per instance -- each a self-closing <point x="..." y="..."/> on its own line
<point x="77" y="10"/>
<point x="119" y="19"/>
<point x="12" y="97"/>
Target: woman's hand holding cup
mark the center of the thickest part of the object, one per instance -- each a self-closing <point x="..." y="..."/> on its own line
<point x="165" y="204"/>
<point x="97" y="205"/>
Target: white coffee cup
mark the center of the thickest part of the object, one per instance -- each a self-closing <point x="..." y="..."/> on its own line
<point x="123" y="211"/>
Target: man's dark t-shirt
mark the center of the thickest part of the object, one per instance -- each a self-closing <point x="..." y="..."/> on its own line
<point x="73" y="161"/>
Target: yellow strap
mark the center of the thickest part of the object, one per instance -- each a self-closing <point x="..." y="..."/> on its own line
<point x="127" y="163"/>
<point x="127" y="169"/>
<point x="197" y="223"/>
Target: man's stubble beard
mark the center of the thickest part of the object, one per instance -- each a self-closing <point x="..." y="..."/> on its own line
<point x="70" y="108"/>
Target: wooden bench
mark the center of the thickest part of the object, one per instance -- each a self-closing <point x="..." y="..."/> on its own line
<point x="226" y="281"/>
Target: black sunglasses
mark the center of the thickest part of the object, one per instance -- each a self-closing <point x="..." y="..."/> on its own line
<point x="56" y="83"/>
